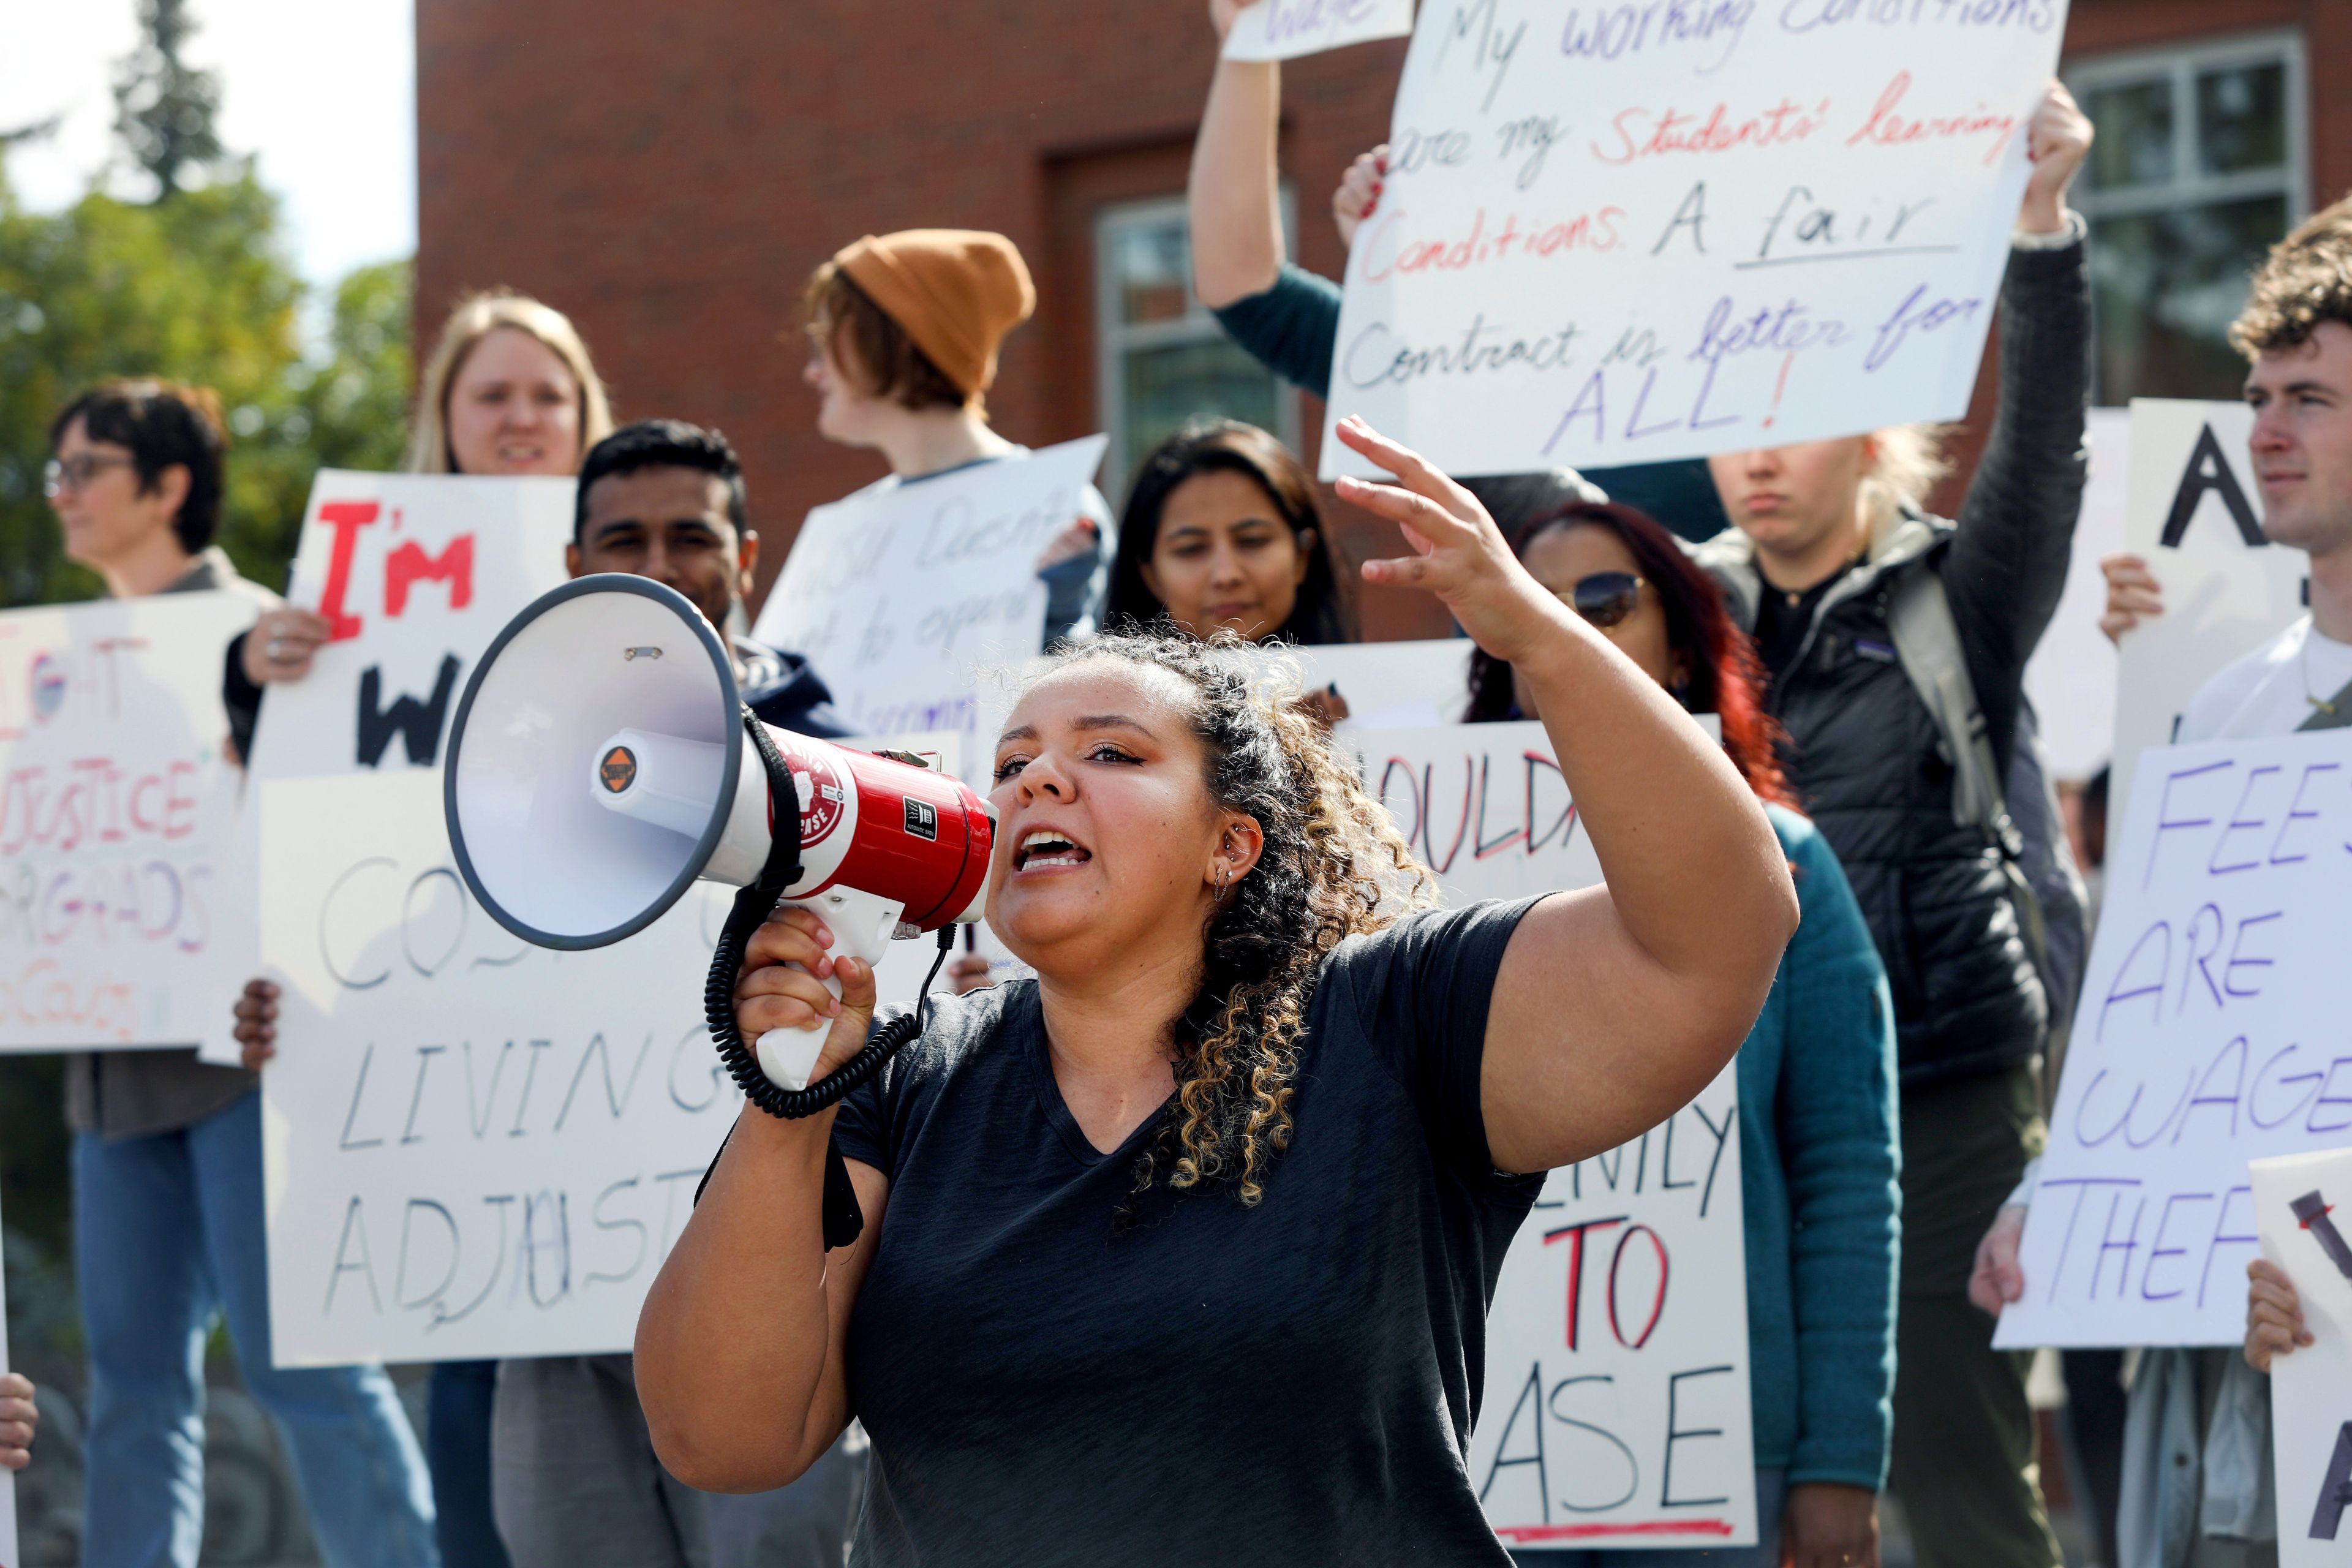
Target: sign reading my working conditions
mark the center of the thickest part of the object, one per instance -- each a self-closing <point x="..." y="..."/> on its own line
<point x="1625" y="234"/>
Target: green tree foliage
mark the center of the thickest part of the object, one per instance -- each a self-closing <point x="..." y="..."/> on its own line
<point x="194" y="289"/>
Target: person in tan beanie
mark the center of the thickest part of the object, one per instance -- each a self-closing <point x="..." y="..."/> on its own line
<point x="903" y="332"/>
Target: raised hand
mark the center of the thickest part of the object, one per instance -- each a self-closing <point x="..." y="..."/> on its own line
<point x="2133" y="594"/>
<point x="1458" y="552"/>
<point x="2057" y="139"/>
<point x="1222" y="14"/>
<point x="770" y="996"/>
<point x="282" y="643"/>
<point x="1359" y="193"/>
<point x="2275" y="1323"/>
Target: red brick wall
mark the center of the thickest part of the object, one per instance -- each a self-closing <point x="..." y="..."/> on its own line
<point x="670" y="176"/>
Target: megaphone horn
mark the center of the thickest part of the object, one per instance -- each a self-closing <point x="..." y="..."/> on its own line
<point x="602" y="761"/>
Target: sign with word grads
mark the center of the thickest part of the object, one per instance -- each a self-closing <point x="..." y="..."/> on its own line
<point x="1632" y="233"/>
<point x="118" y="814"/>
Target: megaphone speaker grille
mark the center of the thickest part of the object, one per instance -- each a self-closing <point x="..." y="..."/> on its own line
<point x="594" y="657"/>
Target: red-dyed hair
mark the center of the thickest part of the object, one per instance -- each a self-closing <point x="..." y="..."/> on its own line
<point x="1725" y="678"/>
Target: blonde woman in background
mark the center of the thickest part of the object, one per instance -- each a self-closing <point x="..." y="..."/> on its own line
<point x="509" y="390"/>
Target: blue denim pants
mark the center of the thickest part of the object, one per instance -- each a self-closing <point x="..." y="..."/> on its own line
<point x="167" y="1231"/>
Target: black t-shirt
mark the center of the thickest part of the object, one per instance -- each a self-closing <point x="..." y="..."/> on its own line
<point x="1783" y="619"/>
<point x="1290" y="1383"/>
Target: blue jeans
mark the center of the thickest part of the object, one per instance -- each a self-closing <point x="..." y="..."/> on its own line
<point x="457" y="1451"/>
<point x="1771" y="1493"/>
<point x="167" y="1230"/>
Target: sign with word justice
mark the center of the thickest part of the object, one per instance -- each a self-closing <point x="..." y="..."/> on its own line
<point x="473" y="1147"/>
<point x="2209" y="1033"/>
<point x="416" y="573"/>
<point x="1285" y="29"/>
<point x="2195" y="515"/>
<point x="117" y="808"/>
<point x="1628" y="233"/>
<point x="2303" y="1206"/>
<point x="1615" y="1412"/>
<point x="900" y="595"/>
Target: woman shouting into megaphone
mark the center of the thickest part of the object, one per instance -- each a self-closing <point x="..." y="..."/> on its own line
<point x="1181" y="1252"/>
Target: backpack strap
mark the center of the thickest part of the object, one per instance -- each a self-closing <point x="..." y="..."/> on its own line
<point x="2335" y="713"/>
<point x="1927" y="643"/>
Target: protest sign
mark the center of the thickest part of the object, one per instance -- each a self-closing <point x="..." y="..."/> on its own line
<point x="899" y="596"/>
<point x="1389" y="685"/>
<point x="2070" y="678"/>
<point x="1285" y="29"/>
<point x="1615" y="1408"/>
<point x="472" y="1147"/>
<point x="2296" y="1201"/>
<point x="1630" y="232"/>
<point x="2195" y="517"/>
<point x="2207" y="1036"/>
<point x="116" y="811"/>
<point x="416" y="573"/>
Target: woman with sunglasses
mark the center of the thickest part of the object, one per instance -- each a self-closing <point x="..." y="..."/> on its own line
<point x="1817" y="1122"/>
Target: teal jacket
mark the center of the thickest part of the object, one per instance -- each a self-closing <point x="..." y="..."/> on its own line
<point x="1818" y="1164"/>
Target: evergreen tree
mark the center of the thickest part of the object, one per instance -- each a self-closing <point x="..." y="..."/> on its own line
<point x="164" y="107"/>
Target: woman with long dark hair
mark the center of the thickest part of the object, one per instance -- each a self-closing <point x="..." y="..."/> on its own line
<point x="1817" y="1124"/>
<point x="1181" y="1251"/>
<point x="1222" y="534"/>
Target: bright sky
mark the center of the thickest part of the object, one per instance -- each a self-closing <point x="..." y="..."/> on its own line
<point x="323" y="90"/>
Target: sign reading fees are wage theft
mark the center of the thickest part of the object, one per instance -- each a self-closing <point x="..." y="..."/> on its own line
<point x="2210" y="1032"/>
<point x="1628" y="233"/>
<point x="2195" y="515"/>
<point x="117" y="805"/>
<point x="906" y="596"/>
<point x="1615" y="1411"/>
<point x="415" y="573"/>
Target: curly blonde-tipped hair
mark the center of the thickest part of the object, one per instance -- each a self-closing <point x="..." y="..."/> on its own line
<point x="2306" y="280"/>
<point x="476" y="317"/>
<point x="1333" y="865"/>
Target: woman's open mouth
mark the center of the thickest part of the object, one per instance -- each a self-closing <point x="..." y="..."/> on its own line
<point x="1044" y="848"/>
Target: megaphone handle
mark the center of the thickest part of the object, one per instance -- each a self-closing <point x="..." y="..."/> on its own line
<point x="862" y="925"/>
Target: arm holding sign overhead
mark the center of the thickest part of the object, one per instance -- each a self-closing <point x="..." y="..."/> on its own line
<point x="1234" y="197"/>
<point x="2015" y="531"/>
<point x="1667" y="966"/>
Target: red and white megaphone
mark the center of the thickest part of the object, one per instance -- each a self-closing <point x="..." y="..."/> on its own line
<point x="602" y="761"/>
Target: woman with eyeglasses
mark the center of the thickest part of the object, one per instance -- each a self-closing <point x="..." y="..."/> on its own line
<point x="1817" y="1115"/>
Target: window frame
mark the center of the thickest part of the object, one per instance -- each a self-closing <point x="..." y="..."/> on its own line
<point x="1115" y="337"/>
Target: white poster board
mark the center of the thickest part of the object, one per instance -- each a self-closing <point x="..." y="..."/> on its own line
<point x="472" y="1147"/>
<point x="1285" y="29"/>
<point x="900" y="597"/>
<point x="118" y="812"/>
<point x="2303" y="1206"/>
<point x="2070" y="678"/>
<point x="2195" y="515"/>
<point x="1615" y="1412"/>
<point x="2210" y="1033"/>
<point x="1627" y="234"/>
<point x="1391" y="685"/>
<point x="418" y="572"/>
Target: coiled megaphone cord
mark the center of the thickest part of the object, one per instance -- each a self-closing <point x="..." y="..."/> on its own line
<point x="844" y="1220"/>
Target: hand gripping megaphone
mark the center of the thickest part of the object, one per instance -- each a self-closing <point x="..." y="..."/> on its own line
<point x="602" y="761"/>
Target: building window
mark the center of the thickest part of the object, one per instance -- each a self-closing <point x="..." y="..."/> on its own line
<point x="1164" y="358"/>
<point x="2198" y="169"/>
